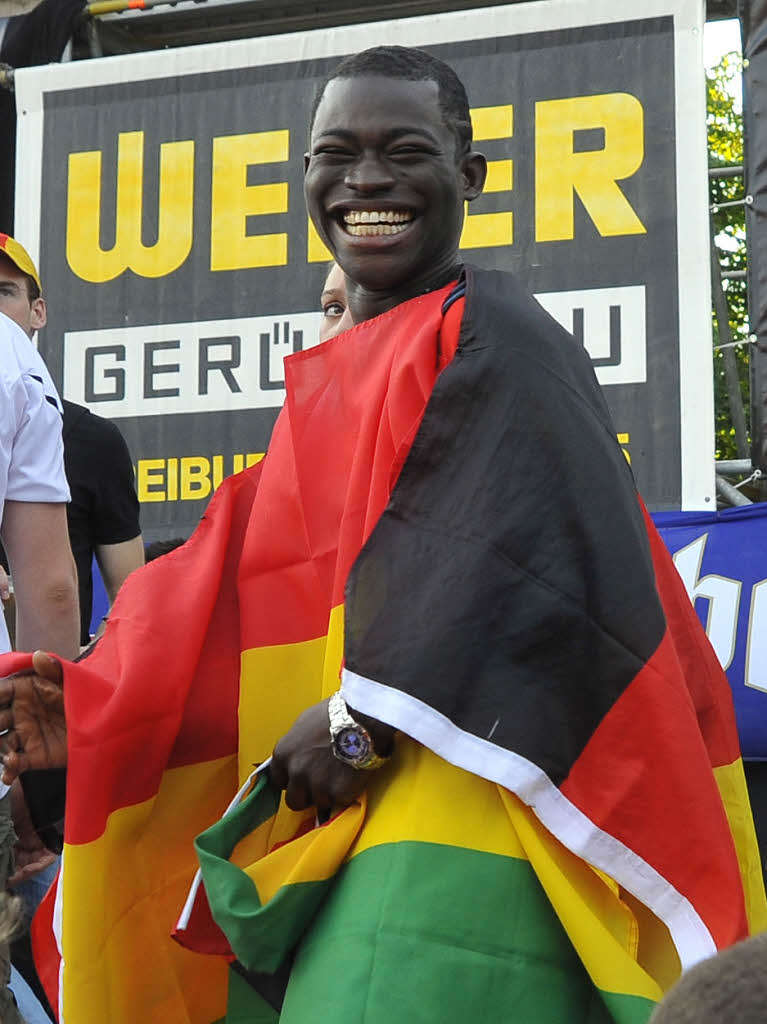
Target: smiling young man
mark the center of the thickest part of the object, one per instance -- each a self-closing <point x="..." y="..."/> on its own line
<point x="498" y="628"/>
<point x="532" y="756"/>
<point x="386" y="178"/>
<point x="387" y="175"/>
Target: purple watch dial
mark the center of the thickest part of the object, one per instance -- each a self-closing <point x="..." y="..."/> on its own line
<point x="352" y="745"/>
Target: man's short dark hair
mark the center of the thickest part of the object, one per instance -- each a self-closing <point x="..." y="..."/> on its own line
<point x="412" y="65"/>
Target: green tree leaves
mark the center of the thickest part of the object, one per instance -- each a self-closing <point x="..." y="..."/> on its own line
<point x="725" y="145"/>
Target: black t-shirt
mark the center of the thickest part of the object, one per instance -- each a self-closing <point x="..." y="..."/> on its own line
<point x="104" y="507"/>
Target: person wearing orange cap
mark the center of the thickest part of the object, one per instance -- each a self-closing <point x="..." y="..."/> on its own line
<point x="33" y="486"/>
<point x="102" y="520"/>
<point x="103" y="515"/>
<point x="16" y="299"/>
<point x="33" y="497"/>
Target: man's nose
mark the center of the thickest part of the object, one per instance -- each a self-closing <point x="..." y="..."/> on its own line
<point x="369" y="173"/>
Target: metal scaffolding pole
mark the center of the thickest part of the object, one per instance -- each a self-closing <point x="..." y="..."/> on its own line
<point x="734" y="467"/>
<point x="730" y="493"/>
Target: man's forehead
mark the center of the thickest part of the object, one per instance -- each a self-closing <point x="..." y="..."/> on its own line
<point x="378" y="81"/>
<point x="9" y="270"/>
<point x="376" y="96"/>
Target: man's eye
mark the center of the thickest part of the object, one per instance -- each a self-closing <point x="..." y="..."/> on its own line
<point x="334" y="310"/>
<point x="338" y="152"/>
<point x="410" y="151"/>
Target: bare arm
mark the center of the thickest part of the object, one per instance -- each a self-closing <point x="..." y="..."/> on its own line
<point x="117" y="561"/>
<point x="44" y="578"/>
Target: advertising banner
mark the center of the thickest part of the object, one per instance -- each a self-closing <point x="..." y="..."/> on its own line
<point x="721" y="559"/>
<point x="162" y="194"/>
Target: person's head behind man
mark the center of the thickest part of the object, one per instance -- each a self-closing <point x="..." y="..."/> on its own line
<point x="728" y="987"/>
<point x="20" y="289"/>
<point x="334" y="304"/>
<point x="388" y="171"/>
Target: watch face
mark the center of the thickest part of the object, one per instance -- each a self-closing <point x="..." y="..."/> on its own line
<point x="352" y="745"/>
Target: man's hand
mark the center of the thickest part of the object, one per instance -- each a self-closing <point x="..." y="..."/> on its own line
<point x="304" y="765"/>
<point x="33" y="731"/>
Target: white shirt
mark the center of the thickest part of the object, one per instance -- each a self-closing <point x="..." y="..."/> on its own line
<point x="31" y="449"/>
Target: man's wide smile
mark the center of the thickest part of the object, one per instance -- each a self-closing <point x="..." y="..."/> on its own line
<point x="371" y="223"/>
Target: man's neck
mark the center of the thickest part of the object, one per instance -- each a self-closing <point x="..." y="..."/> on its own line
<point x="366" y="303"/>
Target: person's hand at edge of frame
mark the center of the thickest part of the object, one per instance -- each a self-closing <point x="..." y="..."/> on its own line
<point x="33" y="732"/>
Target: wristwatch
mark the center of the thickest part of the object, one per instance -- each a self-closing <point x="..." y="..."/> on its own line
<point x="349" y="740"/>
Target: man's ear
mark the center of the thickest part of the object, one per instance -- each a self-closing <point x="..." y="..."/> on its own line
<point x="474" y="170"/>
<point x="39" y="317"/>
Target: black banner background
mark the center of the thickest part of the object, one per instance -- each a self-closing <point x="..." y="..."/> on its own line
<point x="524" y="71"/>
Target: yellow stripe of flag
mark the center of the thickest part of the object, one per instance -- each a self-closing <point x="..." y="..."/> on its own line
<point x="732" y="786"/>
<point x="277" y="683"/>
<point x="129" y="885"/>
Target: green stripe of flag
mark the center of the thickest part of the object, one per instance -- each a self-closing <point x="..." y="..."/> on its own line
<point x="425" y="933"/>
<point x="245" y="1006"/>
<point x="387" y="943"/>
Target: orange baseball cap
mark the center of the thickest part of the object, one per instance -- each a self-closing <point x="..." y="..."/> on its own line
<point x="17" y="254"/>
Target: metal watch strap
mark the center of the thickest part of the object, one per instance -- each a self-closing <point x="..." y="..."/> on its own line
<point x="340" y="719"/>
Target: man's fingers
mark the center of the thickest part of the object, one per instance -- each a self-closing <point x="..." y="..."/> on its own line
<point x="321" y="799"/>
<point x="277" y="773"/>
<point x="7" y="691"/>
<point x="9" y="741"/>
<point x="297" y="796"/>
<point x="48" y="667"/>
<point x="13" y="765"/>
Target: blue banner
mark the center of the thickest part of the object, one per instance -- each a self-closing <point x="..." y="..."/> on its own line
<point x="722" y="559"/>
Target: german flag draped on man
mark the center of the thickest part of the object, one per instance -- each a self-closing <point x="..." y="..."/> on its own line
<point x="445" y="520"/>
<point x="528" y="878"/>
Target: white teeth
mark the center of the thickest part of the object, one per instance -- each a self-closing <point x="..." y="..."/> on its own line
<point x="377" y="216"/>
<point x="371" y="223"/>
<point x="369" y="230"/>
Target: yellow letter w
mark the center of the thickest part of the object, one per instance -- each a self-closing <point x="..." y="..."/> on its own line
<point x="174" y="224"/>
